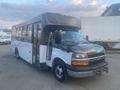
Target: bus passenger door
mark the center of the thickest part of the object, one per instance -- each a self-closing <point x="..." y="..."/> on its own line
<point x="36" y="44"/>
<point x="49" y="47"/>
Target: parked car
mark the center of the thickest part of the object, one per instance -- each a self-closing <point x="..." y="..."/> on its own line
<point x="5" y="39"/>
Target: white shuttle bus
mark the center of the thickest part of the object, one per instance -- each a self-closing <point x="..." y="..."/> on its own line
<point x="55" y="41"/>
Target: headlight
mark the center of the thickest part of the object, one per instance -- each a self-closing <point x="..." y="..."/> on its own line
<point x="79" y="56"/>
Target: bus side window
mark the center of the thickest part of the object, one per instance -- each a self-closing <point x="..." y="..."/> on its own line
<point x="19" y="34"/>
<point x="39" y="28"/>
<point x="37" y="32"/>
<point x="13" y="33"/>
<point x="29" y="33"/>
<point x="22" y="35"/>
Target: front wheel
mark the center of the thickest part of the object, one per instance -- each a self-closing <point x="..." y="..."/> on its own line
<point x="60" y="71"/>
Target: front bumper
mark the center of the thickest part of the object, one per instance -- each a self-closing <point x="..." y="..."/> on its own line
<point x="96" y="70"/>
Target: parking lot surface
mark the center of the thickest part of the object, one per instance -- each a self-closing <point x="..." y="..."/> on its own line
<point x="18" y="75"/>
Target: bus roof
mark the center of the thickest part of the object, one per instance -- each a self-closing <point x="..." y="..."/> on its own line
<point x="53" y="19"/>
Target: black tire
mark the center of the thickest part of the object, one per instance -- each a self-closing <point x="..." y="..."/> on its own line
<point x="63" y="76"/>
<point x="17" y="53"/>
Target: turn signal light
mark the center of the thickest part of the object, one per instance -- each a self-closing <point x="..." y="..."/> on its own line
<point x="80" y="63"/>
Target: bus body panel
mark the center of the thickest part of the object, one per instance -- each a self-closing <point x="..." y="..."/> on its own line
<point x="24" y="49"/>
<point x="61" y="54"/>
<point x="42" y="54"/>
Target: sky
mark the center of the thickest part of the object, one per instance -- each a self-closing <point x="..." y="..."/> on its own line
<point x="16" y="11"/>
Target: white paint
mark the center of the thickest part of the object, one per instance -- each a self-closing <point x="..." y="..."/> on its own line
<point x="25" y="50"/>
<point x="105" y="29"/>
<point x="63" y="55"/>
<point x="116" y="46"/>
<point x="43" y="51"/>
<point x="56" y="53"/>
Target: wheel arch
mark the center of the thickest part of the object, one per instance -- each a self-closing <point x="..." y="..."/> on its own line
<point x="56" y="60"/>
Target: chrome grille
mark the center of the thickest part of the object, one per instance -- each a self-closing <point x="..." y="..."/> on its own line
<point x="97" y="61"/>
<point x="90" y="55"/>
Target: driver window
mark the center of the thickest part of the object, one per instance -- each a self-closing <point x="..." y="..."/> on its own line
<point x="57" y="37"/>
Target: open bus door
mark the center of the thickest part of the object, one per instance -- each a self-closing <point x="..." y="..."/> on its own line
<point x="36" y="43"/>
<point x="49" y="46"/>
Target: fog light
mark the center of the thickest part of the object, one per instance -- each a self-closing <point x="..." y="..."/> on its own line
<point x="80" y="63"/>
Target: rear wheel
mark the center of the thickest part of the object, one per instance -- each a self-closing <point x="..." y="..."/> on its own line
<point x="17" y="53"/>
<point x="60" y="71"/>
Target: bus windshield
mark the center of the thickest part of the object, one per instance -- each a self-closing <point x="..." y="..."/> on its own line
<point x="73" y="37"/>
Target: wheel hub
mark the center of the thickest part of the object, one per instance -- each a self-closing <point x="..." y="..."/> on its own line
<point x="59" y="71"/>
